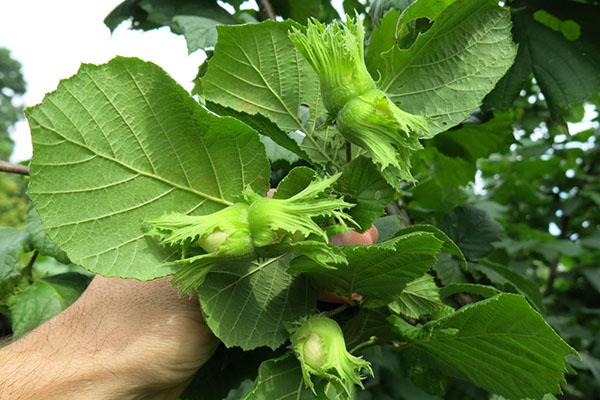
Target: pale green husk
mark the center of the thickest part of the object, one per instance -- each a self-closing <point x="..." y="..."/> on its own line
<point x="389" y="134"/>
<point x="364" y="114"/>
<point x="255" y="227"/>
<point x="336" y="53"/>
<point x="224" y="236"/>
<point x="319" y="345"/>
<point x="273" y="220"/>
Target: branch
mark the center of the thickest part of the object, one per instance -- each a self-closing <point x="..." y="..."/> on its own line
<point x="5" y="166"/>
<point x="267" y="8"/>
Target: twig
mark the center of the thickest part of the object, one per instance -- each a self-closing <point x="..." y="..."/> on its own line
<point x="372" y="340"/>
<point x="338" y="310"/>
<point x="28" y="270"/>
<point x="267" y="9"/>
<point x="348" y="152"/>
<point x="5" y="166"/>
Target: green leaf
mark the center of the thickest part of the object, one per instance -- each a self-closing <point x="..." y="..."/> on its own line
<point x="368" y="322"/>
<point x="567" y="71"/>
<point x="43" y="300"/>
<point x="379" y="272"/>
<point x="248" y="304"/>
<point x="419" y="298"/>
<point x="473" y="288"/>
<point x="472" y="229"/>
<point x="449" y="69"/>
<point x="199" y="32"/>
<point x="225" y="370"/>
<point x="294" y="182"/>
<point x="500" y="344"/>
<point x="256" y="69"/>
<point x="388" y="226"/>
<point x="441" y="180"/>
<point x="449" y="246"/>
<point x="11" y="244"/>
<point x="40" y="241"/>
<point x="362" y="184"/>
<point x="448" y="270"/>
<point x="280" y="378"/>
<point x="302" y="10"/>
<point x="394" y="28"/>
<point x="475" y="141"/>
<point x="500" y="275"/>
<point x="122" y="143"/>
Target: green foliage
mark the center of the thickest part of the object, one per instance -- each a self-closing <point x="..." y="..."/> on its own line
<point x="379" y="272"/>
<point x="483" y="343"/>
<point x="44" y="299"/>
<point x="72" y="130"/>
<point x="12" y="85"/>
<point x="247" y="304"/>
<point x="566" y="70"/>
<point x="490" y="238"/>
<point x="448" y="70"/>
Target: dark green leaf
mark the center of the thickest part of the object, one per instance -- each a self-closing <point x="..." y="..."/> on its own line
<point x="567" y="71"/>
<point x="11" y="244"/>
<point x="500" y="344"/>
<point x="473" y="230"/>
<point x="502" y="276"/>
<point x="43" y="300"/>
<point x="362" y="184"/>
<point x="247" y="304"/>
<point x="380" y="272"/>
<point x="473" y="288"/>
<point x="40" y="241"/>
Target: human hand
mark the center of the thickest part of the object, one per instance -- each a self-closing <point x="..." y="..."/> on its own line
<point x="122" y="339"/>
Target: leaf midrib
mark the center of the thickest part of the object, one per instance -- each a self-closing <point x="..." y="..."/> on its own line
<point x="131" y="168"/>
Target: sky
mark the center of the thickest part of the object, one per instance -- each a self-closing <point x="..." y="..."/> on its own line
<point x="52" y="38"/>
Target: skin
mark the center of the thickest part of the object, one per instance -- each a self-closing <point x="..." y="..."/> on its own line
<point x="122" y="339"/>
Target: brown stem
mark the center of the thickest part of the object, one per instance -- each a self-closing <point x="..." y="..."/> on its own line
<point x="348" y="152"/>
<point x="28" y="270"/>
<point x="267" y="8"/>
<point x="5" y="166"/>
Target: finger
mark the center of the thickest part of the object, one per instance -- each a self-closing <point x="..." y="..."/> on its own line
<point x="354" y="238"/>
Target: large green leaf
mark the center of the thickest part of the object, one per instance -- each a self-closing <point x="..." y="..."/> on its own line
<point x="473" y="230"/>
<point x="248" y="304"/>
<point x="567" y="71"/>
<point x="43" y="300"/>
<point x="500" y="344"/>
<point x="11" y="244"/>
<point x="256" y="69"/>
<point x="380" y="272"/>
<point x="504" y="277"/>
<point x="121" y="143"/>
<point x="449" y="69"/>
